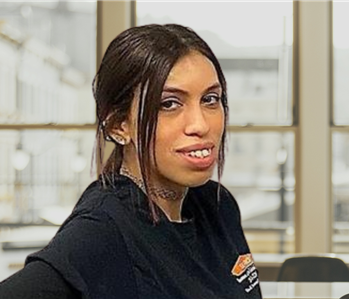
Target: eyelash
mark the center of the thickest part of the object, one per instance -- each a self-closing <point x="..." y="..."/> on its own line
<point x="177" y="102"/>
<point x="216" y="98"/>
<point x="164" y="102"/>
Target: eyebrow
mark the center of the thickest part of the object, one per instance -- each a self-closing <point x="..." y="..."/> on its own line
<point x="184" y="92"/>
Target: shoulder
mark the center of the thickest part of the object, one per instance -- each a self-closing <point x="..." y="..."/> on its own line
<point x="86" y="251"/>
<point x="92" y="229"/>
<point x="111" y="200"/>
<point x="95" y="195"/>
<point x="81" y="235"/>
<point x="90" y="245"/>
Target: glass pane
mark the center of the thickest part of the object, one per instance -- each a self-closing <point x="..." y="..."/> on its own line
<point x="254" y="44"/>
<point x="43" y="174"/>
<point x="259" y="172"/>
<point x="340" y="191"/>
<point x="47" y="61"/>
<point x="341" y="62"/>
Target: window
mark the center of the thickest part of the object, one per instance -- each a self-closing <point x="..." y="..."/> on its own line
<point x="47" y="114"/>
<point x="340" y="129"/>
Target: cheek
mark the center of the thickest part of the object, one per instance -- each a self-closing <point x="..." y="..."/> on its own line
<point x="166" y="136"/>
<point x="218" y="124"/>
<point x="223" y="119"/>
<point x="163" y="142"/>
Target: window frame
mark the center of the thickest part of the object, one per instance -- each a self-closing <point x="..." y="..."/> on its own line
<point x="312" y="87"/>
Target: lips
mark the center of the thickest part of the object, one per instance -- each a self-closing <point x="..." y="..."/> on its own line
<point x="196" y="147"/>
<point x="199" y="156"/>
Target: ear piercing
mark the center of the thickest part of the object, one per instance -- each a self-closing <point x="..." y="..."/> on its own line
<point x="116" y="139"/>
<point x="120" y="140"/>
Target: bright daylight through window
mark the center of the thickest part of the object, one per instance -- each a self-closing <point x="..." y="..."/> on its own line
<point x="340" y="133"/>
<point x="47" y="116"/>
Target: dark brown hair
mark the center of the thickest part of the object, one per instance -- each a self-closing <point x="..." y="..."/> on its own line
<point x="140" y="58"/>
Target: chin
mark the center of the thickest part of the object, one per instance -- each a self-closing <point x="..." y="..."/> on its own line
<point x="196" y="180"/>
<point x="185" y="177"/>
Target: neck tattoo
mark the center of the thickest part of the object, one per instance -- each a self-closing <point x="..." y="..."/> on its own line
<point x="158" y="192"/>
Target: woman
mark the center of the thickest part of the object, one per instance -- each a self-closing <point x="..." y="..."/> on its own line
<point x="153" y="225"/>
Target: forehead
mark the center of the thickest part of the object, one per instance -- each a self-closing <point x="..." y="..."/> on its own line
<point x="193" y="68"/>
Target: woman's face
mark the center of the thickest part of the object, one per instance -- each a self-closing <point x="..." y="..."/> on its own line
<point x="190" y="124"/>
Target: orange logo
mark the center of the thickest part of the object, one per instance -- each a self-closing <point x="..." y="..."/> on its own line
<point x="242" y="263"/>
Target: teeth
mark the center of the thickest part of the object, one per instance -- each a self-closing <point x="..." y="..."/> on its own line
<point x="205" y="152"/>
<point x="200" y="154"/>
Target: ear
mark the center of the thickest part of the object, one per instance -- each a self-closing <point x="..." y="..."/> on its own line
<point x="122" y="133"/>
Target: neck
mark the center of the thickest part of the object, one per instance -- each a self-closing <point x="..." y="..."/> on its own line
<point x="168" y="199"/>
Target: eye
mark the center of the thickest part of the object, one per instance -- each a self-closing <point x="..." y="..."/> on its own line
<point x="170" y="104"/>
<point x="211" y="99"/>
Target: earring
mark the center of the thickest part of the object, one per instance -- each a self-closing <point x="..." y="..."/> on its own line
<point x="120" y="140"/>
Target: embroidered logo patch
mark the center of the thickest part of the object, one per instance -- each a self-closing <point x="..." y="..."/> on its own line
<point x="245" y="272"/>
<point x="242" y="263"/>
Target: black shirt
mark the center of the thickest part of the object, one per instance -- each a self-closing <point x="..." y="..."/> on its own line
<point x="110" y="248"/>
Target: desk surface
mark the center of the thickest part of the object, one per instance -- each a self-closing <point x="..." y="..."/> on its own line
<point x="297" y="290"/>
<point x="275" y="259"/>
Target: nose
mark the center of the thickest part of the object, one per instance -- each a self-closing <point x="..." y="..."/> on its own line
<point x="196" y="122"/>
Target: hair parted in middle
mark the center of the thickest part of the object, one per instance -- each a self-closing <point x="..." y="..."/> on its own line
<point x="135" y="66"/>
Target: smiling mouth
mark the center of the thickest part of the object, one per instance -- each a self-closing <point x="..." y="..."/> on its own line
<point x="200" y="153"/>
<point x="201" y="159"/>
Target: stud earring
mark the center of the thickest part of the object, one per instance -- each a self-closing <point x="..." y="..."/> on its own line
<point x="120" y="140"/>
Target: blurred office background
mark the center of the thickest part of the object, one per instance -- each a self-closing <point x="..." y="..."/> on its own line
<point x="287" y="69"/>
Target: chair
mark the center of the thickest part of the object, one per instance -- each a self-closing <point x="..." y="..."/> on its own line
<point x="313" y="269"/>
<point x="345" y="297"/>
